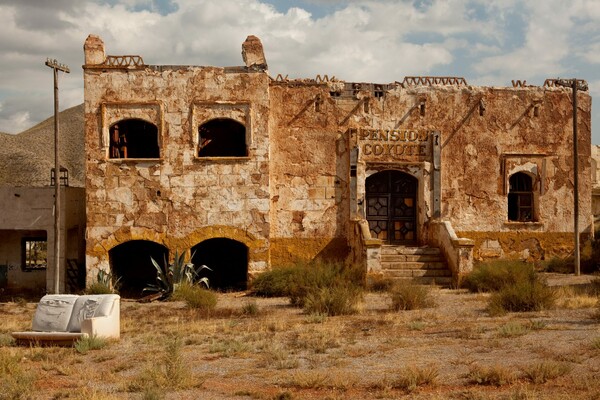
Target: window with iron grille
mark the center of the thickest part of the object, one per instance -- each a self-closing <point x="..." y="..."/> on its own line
<point x="520" y="198"/>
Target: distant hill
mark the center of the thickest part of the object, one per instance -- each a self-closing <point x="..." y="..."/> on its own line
<point x="27" y="157"/>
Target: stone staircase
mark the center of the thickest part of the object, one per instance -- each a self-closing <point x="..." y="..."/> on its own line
<point x="421" y="265"/>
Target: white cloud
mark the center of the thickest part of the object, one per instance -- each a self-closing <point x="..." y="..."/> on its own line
<point x="489" y="42"/>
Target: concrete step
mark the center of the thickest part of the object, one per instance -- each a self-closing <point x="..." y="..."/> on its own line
<point x="418" y="265"/>
<point x="406" y="250"/>
<point x="411" y="258"/>
<point x="415" y="265"/>
<point x="427" y="280"/>
<point x="406" y="273"/>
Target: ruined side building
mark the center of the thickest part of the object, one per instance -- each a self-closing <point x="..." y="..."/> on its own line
<point x="252" y="172"/>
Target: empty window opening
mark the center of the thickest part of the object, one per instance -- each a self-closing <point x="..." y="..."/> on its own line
<point x="34" y="251"/>
<point x="222" y="137"/>
<point x="228" y="260"/>
<point x="130" y="261"/>
<point x="520" y="198"/>
<point x="134" y="138"/>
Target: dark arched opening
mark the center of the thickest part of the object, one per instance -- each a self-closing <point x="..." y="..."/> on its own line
<point x="228" y="260"/>
<point x="222" y="137"/>
<point x="130" y="261"/>
<point x="134" y="138"/>
<point x="392" y="206"/>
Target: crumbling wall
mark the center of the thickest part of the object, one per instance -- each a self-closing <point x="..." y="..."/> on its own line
<point x="309" y="175"/>
<point x="179" y="199"/>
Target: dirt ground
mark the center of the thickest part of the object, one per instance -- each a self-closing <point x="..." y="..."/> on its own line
<point x="255" y="348"/>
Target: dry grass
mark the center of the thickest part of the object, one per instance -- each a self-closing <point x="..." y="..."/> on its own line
<point x="262" y="348"/>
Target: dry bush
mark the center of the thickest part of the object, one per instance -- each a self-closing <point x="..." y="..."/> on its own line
<point x="512" y="329"/>
<point x="545" y="371"/>
<point x="15" y="382"/>
<point x="339" y="299"/>
<point x="493" y="276"/>
<point x="195" y="296"/>
<point x="571" y="298"/>
<point x="411" y="378"/>
<point x="408" y="296"/>
<point x="530" y="294"/>
<point x="490" y="376"/>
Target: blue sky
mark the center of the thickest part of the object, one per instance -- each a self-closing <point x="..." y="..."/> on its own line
<point x="488" y="42"/>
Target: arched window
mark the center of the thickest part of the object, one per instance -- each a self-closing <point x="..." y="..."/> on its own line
<point x="222" y="137"/>
<point x="134" y="138"/>
<point x="520" y="198"/>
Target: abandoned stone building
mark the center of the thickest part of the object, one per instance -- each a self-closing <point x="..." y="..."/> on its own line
<point x="416" y="178"/>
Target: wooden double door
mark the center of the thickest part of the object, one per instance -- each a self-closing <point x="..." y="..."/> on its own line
<point x="392" y="207"/>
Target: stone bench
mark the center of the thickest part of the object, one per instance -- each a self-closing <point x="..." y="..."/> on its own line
<point x="64" y="318"/>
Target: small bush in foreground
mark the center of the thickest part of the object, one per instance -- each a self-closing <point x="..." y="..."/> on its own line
<point x="493" y="276"/>
<point x="273" y="283"/>
<point x="527" y="295"/>
<point x="339" y="299"/>
<point x="545" y="371"/>
<point x="408" y="296"/>
<point x="195" y="296"/>
<point x="87" y="343"/>
<point x="15" y="382"/>
<point x="323" y="285"/>
<point x="490" y="376"/>
<point x="380" y="284"/>
<point x="105" y="283"/>
<point x="410" y="379"/>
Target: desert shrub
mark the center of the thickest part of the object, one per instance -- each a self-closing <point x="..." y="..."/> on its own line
<point x="525" y="295"/>
<point x="326" y="285"/>
<point x="380" y="284"/>
<point x="408" y="296"/>
<point x="493" y="276"/>
<point x="250" y="308"/>
<point x="15" y="381"/>
<point x="412" y="378"/>
<point x="545" y="371"/>
<point x="174" y="274"/>
<point x="87" y="343"/>
<point x="339" y="299"/>
<point x="195" y="296"/>
<point x="273" y="283"/>
<point x="105" y="283"/>
<point x="311" y="277"/>
<point x="490" y="376"/>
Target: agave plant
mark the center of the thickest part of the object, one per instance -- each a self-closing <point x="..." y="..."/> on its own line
<point x="175" y="273"/>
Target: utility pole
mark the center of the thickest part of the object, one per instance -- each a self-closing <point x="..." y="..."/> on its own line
<point x="575" y="85"/>
<point x="56" y="66"/>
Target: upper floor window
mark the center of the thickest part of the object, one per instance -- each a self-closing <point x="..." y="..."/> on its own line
<point x="134" y="138"/>
<point x="520" y="198"/>
<point x="222" y="137"/>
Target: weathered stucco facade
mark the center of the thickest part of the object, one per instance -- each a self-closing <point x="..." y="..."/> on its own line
<point x="290" y="170"/>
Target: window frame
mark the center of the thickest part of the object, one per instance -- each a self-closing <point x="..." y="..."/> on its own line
<point x="522" y="193"/>
<point x="25" y="264"/>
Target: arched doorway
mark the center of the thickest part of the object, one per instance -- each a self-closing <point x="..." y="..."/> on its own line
<point x="228" y="260"/>
<point x="130" y="261"/>
<point x="392" y="207"/>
